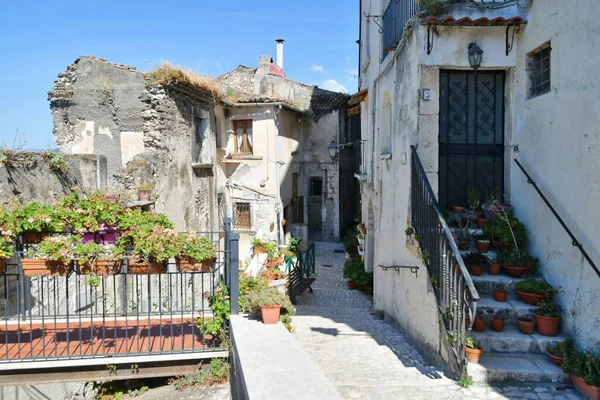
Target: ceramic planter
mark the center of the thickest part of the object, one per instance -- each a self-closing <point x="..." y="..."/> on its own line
<point x="476" y="270"/>
<point x="483" y="246"/>
<point x="500" y="295"/>
<point x="589" y="391"/>
<point x="352" y="285"/>
<point x="494" y="269"/>
<point x="526" y="325"/>
<point x="270" y="314"/>
<point x="101" y="267"/>
<point x="146" y="268"/>
<point x="516" y="272"/>
<point x="187" y="264"/>
<point x="473" y="355"/>
<point x="555" y="359"/>
<point x="547" y="326"/>
<point x="497" y="324"/>
<point x="479" y="325"/>
<point x="40" y="267"/>
<point x="530" y="298"/>
<point x="458" y="209"/>
<point x="481" y="222"/>
<point x="2" y="266"/>
<point x="464" y="246"/>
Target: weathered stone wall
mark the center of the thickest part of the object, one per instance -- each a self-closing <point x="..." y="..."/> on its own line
<point x="30" y="177"/>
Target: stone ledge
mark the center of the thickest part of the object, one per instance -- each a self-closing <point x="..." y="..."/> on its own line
<point x="270" y="364"/>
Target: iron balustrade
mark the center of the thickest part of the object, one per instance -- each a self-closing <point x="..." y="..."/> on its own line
<point x="305" y="260"/>
<point x="395" y="17"/>
<point x="574" y="240"/>
<point x="74" y="317"/>
<point x="455" y="292"/>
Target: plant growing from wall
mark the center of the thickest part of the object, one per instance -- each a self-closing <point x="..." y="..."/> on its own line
<point x="221" y="308"/>
<point x="56" y="162"/>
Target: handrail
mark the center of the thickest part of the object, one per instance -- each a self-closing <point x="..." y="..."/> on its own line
<point x="574" y="242"/>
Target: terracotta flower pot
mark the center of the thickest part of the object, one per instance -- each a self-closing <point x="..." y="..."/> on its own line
<point x="41" y="267"/>
<point x="273" y="262"/>
<point x="464" y="246"/>
<point x="547" y="326"/>
<point x="483" y="246"/>
<point x="146" y="268"/>
<point x="476" y="270"/>
<point x="530" y="298"/>
<point x="494" y="269"/>
<point x="479" y="325"/>
<point x="500" y="295"/>
<point x="259" y="250"/>
<point x="2" y="266"/>
<point x="481" y="222"/>
<point x="458" y="209"/>
<point x="187" y="264"/>
<point x="555" y="359"/>
<point x="501" y="246"/>
<point x="589" y="391"/>
<point x="497" y="324"/>
<point x="516" y="272"/>
<point x="526" y="325"/>
<point x="473" y="355"/>
<point x="270" y="314"/>
<point x="33" y="237"/>
<point x="101" y="267"/>
<point x="352" y="285"/>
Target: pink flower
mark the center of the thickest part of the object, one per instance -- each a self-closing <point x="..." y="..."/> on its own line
<point x="207" y="294"/>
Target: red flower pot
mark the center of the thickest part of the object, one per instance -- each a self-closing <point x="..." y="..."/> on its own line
<point x="494" y="269"/>
<point x="526" y="326"/>
<point x="146" y="268"/>
<point x="458" y="209"/>
<point x="482" y="246"/>
<point x="501" y="246"/>
<point x="556" y="360"/>
<point x="101" y="267"/>
<point x="352" y="285"/>
<point x="500" y="295"/>
<point x="187" y="264"/>
<point x="464" y="246"/>
<point x="589" y="391"/>
<point x="547" y="326"/>
<point x="497" y="325"/>
<point x="473" y="355"/>
<point x="476" y="270"/>
<point x="270" y="314"/>
<point x="479" y="325"/>
<point x="41" y="267"/>
<point x="530" y="298"/>
<point x="516" y="272"/>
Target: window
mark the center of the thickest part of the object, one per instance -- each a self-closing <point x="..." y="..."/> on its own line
<point x="316" y="186"/>
<point x="241" y="216"/>
<point x="243" y="136"/>
<point x="538" y="65"/>
<point x="200" y="134"/>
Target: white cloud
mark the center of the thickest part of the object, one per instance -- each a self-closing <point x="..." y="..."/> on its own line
<point x="317" y="68"/>
<point x="334" y="86"/>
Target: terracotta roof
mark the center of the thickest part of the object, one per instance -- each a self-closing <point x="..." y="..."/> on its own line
<point x="466" y="21"/>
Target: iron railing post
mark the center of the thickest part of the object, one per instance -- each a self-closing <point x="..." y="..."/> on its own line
<point x="227" y="249"/>
<point x="234" y="285"/>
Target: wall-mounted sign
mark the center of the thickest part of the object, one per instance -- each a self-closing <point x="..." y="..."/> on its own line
<point x="426" y="94"/>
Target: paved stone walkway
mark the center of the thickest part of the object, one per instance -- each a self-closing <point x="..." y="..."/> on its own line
<point x="367" y="358"/>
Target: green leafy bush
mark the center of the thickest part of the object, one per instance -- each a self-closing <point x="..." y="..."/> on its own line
<point x="561" y="349"/>
<point x="548" y="309"/>
<point x="198" y="248"/>
<point x="583" y="365"/>
<point x="221" y="309"/>
<point x="7" y="247"/>
<point x="507" y="230"/>
<point x="37" y="217"/>
<point x="535" y="286"/>
<point x="519" y="258"/>
<point x="267" y="297"/>
<point x="350" y="242"/>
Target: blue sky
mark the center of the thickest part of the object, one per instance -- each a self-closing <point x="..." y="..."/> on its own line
<point x="38" y="39"/>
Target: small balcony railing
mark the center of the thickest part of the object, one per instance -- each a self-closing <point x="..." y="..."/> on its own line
<point x="395" y="17"/>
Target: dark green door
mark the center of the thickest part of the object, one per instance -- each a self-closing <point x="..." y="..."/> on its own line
<point x="471" y="134"/>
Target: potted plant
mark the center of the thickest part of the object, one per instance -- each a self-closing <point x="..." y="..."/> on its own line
<point x="152" y="250"/>
<point x="518" y="263"/>
<point x="195" y="253"/>
<point x="144" y="191"/>
<point x="293" y="245"/>
<point x="95" y="259"/>
<point x="558" y="351"/>
<point x="494" y="206"/>
<point x="500" y="294"/>
<point x="134" y="222"/>
<point x="532" y="291"/>
<point x="458" y="209"/>
<point x="526" y="325"/>
<point x="53" y="256"/>
<point x="273" y="258"/>
<point x="350" y="242"/>
<point x="494" y="266"/>
<point x="584" y="370"/>
<point x="497" y="323"/>
<point x="7" y="249"/>
<point x="483" y="245"/>
<point x="463" y="237"/>
<point x="270" y="302"/>
<point x="96" y="217"/>
<point x="476" y="261"/>
<point x="479" y="324"/>
<point x="352" y="271"/>
<point x="472" y="351"/>
<point x="507" y="232"/>
<point x="473" y="197"/>
<point x="259" y="246"/>
<point x="547" y="318"/>
<point x="35" y="221"/>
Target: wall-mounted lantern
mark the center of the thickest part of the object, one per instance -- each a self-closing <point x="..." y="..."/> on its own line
<point x="475" y="56"/>
<point x="332" y="149"/>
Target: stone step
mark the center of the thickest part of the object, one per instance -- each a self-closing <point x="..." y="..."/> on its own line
<point x="486" y="283"/>
<point x="511" y="309"/>
<point x="495" y="367"/>
<point x="512" y="341"/>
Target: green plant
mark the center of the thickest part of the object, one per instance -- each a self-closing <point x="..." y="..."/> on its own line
<point x="221" y="308"/>
<point x="409" y="231"/>
<point x="493" y="196"/>
<point x="257" y="243"/>
<point x="463" y="234"/>
<point x="584" y="365"/>
<point x="352" y="269"/>
<point x="37" y="217"/>
<point x="452" y="337"/>
<point x="548" y="309"/>
<point x="433" y="6"/>
<point x="535" y="286"/>
<point x="135" y="222"/>
<point x="519" y="258"/>
<point x="470" y="343"/>
<point x="158" y="245"/>
<point x="144" y="186"/>
<point x="57" y="248"/>
<point x="90" y="252"/>
<point x="198" y="248"/>
<point x="473" y="197"/>
<point x="426" y="257"/>
<point x="7" y="157"/>
<point x="217" y="372"/>
<point x="293" y="244"/>
<point x="94" y="280"/>
<point x="561" y="349"/>
<point x="56" y="162"/>
<point x="508" y="230"/>
<point x="7" y="247"/>
<point x="475" y="258"/>
<point x="350" y="242"/>
<point x="465" y="382"/>
<point x="268" y="297"/>
<point x="93" y="213"/>
<point x="271" y="249"/>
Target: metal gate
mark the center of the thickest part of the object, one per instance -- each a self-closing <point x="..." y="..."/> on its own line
<point x="471" y="134"/>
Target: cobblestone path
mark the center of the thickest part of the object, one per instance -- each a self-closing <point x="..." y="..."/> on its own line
<point x="368" y="358"/>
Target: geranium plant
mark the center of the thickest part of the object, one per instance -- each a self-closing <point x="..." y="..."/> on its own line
<point x="7" y="247"/>
<point x="135" y="222"/>
<point x="198" y="248"/>
<point x="90" y="252"/>
<point x="37" y="217"/>
<point x="56" y="248"/>
<point x="158" y="245"/>
<point x="221" y="308"/>
<point x="95" y="213"/>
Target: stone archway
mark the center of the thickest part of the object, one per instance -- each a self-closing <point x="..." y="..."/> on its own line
<point x="370" y="238"/>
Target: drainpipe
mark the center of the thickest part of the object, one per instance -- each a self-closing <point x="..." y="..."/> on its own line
<point x="277" y="183"/>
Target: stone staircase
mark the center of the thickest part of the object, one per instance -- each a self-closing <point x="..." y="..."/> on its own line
<point x="510" y="355"/>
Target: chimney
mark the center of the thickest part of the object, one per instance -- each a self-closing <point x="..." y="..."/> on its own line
<point x="279" y="53"/>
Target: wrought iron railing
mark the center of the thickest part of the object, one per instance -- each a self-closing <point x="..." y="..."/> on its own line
<point x="71" y="317"/>
<point x="574" y="240"/>
<point x="395" y="17"/>
<point x="454" y="289"/>
<point x="305" y="260"/>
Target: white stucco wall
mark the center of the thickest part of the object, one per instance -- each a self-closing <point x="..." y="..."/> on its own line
<point x="558" y="134"/>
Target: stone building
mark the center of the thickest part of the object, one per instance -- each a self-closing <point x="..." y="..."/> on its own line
<point x="251" y="145"/>
<point x="533" y="99"/>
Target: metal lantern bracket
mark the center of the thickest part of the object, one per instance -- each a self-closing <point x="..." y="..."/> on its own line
<point x="516" y="29"/>
<point x="413" y="268"/>
<point x="375" y="19"/>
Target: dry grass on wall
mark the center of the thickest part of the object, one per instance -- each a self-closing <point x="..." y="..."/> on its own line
<point x="168" y="73"/>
